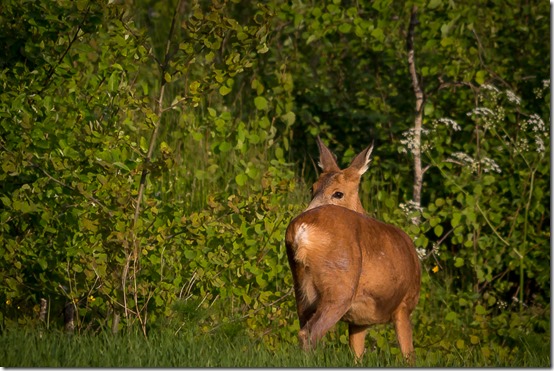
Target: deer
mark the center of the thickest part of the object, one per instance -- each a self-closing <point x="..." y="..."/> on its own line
<point x="347" y="266"/>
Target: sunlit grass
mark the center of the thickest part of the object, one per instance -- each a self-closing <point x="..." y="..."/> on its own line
<point x="21" y="348"/>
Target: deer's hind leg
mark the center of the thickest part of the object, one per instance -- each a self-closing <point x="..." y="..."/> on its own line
<point x="403" y="327"/>
<point x="327" y="314"/>
<point x="334" y="298"/>
<point x="356" y="339"/>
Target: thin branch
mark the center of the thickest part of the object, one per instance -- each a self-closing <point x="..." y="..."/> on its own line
<point x="173" y="105"/>
<point x="90" y="198"/>
<point x="73" y="39"/>
<point x="159" y="112"/>
<point x="480" y="52"/>
<point x="133" y="256"/>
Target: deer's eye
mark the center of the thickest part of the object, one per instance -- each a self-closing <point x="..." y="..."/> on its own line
<point x="338" y="195"/>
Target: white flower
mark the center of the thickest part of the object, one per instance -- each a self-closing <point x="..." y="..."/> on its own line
<point x="409" y="141"/>
<point x="481" y="111"/>
<point x="464" y="158"/>
<point x="448" y="123"/>
<point x="536" y="123"/>
<point x="539" y="91"/>
<point x="540" y="144"/>
<point x="410" y="207"/>
<point x="522" y="145"/>
<point x="488" y="164"/>
<point x="490" y="87"/>
<point x="512" y="97"/>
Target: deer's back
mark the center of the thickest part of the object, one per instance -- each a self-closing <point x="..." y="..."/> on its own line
<point x="378" y="259"/>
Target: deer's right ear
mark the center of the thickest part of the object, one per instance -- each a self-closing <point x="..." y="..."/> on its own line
<point x="327" y="160"/>
<point x="362" y="160"/>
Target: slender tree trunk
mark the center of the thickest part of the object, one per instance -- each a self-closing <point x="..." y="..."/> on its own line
<point x="418" y="121"/>
<point x="69" y="317"/>
<point x="115" y="322"/>
<point x="43" y="310"/>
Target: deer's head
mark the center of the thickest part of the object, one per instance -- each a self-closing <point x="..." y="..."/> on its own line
<point x="339" y="187"/>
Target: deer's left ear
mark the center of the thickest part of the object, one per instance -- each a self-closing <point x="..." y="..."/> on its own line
<point x="360" y="164"/>
<point x="327" y="160"/>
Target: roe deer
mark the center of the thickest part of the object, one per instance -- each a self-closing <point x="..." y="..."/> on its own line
<point x="347" y="266"/>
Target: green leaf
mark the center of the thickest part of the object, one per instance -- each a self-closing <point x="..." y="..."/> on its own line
<point x="194" y="86"/>
<point x="378" y="34"/>
<point x="241" y="179"/>
<point x="289" y="118"/>
<point x="460" y="344"/>
<point x="429" y="108"/>
<point x="225" y="147"/>
<point x="451" y="316"/>
<point x="113" y="81"/>
<point x="434" y="4"/>
<point x="224" y="90"/>
<point x="345" y="27"/>
<point x="279" y="154"/>
<point x="42" y="262"/>
<point x="479" y="309"/>
<point x="480" y="77"/>
<point x="456" y="218"/>
<point x="260" y="103"/>
<point x="121" y="165"/>
<point x="438" y="230"/>
<point x="264" y="122"/>
<point x="459" y="262"/>
<point x="261" y="281"/>
<point x="6" y="201"/>
<point x="311" y="39"/>
<point x="197" y="136"/>
<point x="190" y="254"/>
<point x="143" y="143"/>
<point x="262" y="49"/>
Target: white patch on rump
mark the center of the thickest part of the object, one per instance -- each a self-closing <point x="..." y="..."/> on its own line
<point x="303" y="246"/>
<point x="302" y="242"/>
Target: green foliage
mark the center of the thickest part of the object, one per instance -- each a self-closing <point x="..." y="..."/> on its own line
<point x="152" y="155"/>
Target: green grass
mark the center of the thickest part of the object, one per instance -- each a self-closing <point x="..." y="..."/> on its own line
<point x="23" y="348"/>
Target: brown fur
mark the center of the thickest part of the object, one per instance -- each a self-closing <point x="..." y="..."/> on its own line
<point x="347" y="266"/>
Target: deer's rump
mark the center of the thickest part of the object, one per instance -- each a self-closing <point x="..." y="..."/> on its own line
<point x="333" y="249"/>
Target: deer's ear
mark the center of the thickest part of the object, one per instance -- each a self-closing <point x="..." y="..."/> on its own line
<point x="360" y="164"/>
<point x="326" y="158"/>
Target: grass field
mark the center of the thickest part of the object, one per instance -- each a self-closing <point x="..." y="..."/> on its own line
<point x="21" y="348"/>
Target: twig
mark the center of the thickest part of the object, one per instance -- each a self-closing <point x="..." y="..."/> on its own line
<point x="480" y="52"/>
<point x="53" y="68"/>
<point x="90" y="198"/>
